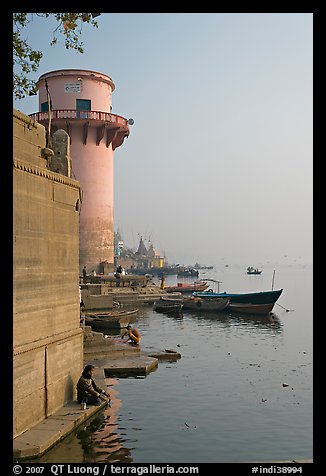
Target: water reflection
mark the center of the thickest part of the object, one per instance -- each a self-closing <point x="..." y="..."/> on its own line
<point x="100" y="440"/>
<point x="178" y="315"/>
<point x="228" y="319"/>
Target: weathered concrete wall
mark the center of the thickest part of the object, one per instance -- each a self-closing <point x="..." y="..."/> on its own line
<point x="28" y="139"/>
<point x="61" y="162"/>
<point x="48" y="340"/>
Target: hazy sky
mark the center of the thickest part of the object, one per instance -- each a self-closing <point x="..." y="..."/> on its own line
<point x="218" y="164"/>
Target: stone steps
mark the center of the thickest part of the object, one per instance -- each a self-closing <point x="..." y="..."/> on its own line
<point x="133" y="365"/>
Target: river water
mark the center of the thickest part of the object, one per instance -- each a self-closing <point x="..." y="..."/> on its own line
<point x="242" y="390"/>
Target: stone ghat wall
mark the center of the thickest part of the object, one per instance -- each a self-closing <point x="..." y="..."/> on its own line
<point x="47" y="338"/>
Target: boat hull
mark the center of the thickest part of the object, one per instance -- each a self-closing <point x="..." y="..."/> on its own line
<point x="262" y="297"/>
<point x="111" y="319"/>
<point x="200" y="304"/>
<point x="186" y="288"/>
<point x="167" y="307"/>
<point x="246" y="308"/>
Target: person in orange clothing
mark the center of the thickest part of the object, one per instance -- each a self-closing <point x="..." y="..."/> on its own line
<point x="134" y="335"/>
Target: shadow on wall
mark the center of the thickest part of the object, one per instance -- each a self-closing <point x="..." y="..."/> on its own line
<point x="70" y="393"/>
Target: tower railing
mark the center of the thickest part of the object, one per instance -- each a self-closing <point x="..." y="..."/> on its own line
<point x="79" y="114"/>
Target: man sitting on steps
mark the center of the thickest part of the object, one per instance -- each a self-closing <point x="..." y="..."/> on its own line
<point x="88" y="391"/>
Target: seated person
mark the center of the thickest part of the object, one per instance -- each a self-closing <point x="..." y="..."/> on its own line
<point x="88" y="391"/>
<point x="134" y="335"/>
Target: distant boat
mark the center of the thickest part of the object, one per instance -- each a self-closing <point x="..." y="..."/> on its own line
<point x="247" y="308"/>
<point x="251" y="270"/>
<point x="199" y="266"/>
<point x="166" y="270"/>
<point x="260" y="297"/>
<point x="186" y="287"/>
<point x="188" y="272"/>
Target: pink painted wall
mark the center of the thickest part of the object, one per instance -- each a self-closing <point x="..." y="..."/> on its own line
<point x="92" y="164"/>
<point x="94" y="86"/>
<point x="94" y="168"/>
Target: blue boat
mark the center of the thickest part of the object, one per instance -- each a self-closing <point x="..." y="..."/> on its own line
<point x="261" y="297"/>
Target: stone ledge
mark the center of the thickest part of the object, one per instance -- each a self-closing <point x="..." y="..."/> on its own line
<point x="139" y="365"/>
<point x="37" y="440"/>
<point x="169" y="355"/>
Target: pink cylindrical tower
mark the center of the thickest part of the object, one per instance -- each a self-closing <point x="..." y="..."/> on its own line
<point x="81" y="104"/>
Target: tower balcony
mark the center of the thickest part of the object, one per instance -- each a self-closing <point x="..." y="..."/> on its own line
<point x="110" y="127"/>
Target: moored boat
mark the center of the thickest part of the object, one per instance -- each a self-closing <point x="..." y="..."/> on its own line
<point x="203" y="304"/>
<point x="188" y="272"/>
<point x="187" y="288"/>
<point x="248" y="308"/>
<point x="168" y="306"/>
<point x="110" y="319"/>
<point x="199" y="303"/>
<point x="260" y="297"/>
<point x="111" y="313"/>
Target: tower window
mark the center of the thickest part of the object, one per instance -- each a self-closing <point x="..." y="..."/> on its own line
<point x="83" y="105"/>
<point x="44" y="107"/>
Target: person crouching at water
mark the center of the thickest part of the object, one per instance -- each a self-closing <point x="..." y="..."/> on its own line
<point x="88" y="391"/>
<point x="134" y="335"/>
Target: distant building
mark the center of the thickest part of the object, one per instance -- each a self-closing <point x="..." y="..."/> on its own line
<point x="142" y="250"/>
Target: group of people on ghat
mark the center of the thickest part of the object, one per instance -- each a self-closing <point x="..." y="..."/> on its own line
<point x="88" y="391"/>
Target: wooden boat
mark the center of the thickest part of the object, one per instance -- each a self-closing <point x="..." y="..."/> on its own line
<point x="187" y="288"/>
<point x="248" y="308"/>
<point x="111" y="313"/>
<point x="188" y="272"/>
<point x="110" y="319"/>
<point x="199" y="303"/>
<point x="204" y="304"/>
<point x="251" y="270"/>
<point x="168" y="306"/>
<point x="261" y="297"/>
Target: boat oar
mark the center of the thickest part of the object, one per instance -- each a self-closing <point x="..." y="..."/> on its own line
<point x="287" y="310"/>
